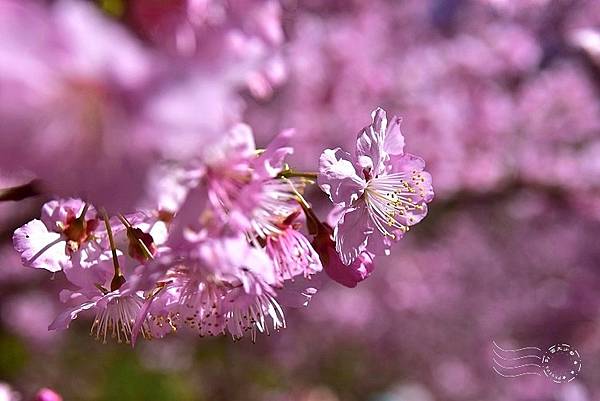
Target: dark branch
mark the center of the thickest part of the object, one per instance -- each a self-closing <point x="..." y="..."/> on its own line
<point x="21" y="192"/>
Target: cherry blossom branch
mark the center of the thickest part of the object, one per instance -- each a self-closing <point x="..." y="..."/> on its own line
<point x="20" y="192"/>
<point x="247" y="279"/>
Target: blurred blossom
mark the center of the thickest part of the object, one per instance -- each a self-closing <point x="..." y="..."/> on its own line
<point x="350" y="310"/>
<point x="455" y="378"/>
<point x="8" y="394"/>
<point x="81" y="136"/>
<point x="184" y="115"/>
<point x="28" y="314"/>
<point x="107" y="111"/>
<point x="241" y="38"/>
<point x="458" y="112"/>
<point x="588" y="40"/>
<point x="573" y="392"/>
<point x="560" y="121"/>
<point x="407" y="391"/>
<point x="47" y="394"/>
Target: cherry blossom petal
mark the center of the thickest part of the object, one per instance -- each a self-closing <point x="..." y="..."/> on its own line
<point x="369" y="143"/>
<point x="393" y="143"/>
<point x="379" y="244"/>
<point x="63" y="320"/>
<point x="352" y="232"/>
<point x="88" y="267"/>
<point x="57" y="211"/>
<point x="380" y="122"/>
<point x="419" y="179"/>
<point x="271" y="161"/>
<point x="235" y="144"/>
<point x="338" y="177"/>
<point x="40" y="248"/>
<point x="298" y="292"/>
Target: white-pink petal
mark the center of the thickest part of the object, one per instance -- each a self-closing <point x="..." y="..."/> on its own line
<point x="272" y="160"/>
<point x="393" y="143"/>
<point x="338" y="177"/>
<point x="379" y="120"/>
<point x="63" y="320"/>
<point x="40" y="248"/>
<point x="89" y="266"/>
<point x="352" y="232"/>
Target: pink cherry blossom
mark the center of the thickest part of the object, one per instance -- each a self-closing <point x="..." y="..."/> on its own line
<point x="115" y="313"/>
<point x="383" y="190"/>
<point x="242" y="183"/>
<point x="221" y="286"/>
<point x="64" y="234"/>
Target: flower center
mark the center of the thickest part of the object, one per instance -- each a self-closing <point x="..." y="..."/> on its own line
<point x="274" y="206"/>
<point x="117" y="320"/>
<point x="390" y="199"/>
<point x="77" y="229"/>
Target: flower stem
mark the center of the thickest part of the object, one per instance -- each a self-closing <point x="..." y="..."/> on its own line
<point x="86" y="207"/>
<point x="118" y="279"/>
<point x="124" y="221"/>
<point x="288" y="173"/>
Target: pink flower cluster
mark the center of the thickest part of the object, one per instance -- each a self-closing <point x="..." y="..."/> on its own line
<point x="165" y="213"/>
<point x="231" y="240"/>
